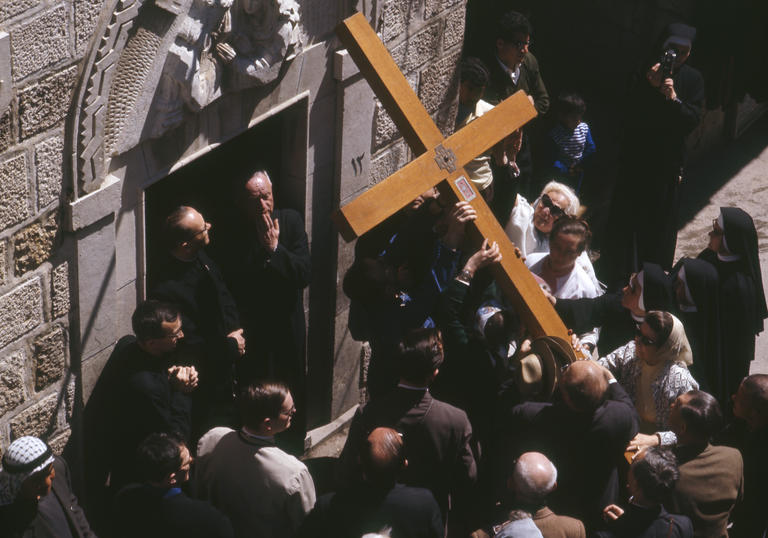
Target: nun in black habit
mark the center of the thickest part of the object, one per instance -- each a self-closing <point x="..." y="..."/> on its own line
<point x="733" y="252"/>
<point x="619" y="313"/>
<point x="697" y="294"/>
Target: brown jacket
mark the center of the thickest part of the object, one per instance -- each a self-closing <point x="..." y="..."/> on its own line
<point x="553" y="526"/>
<point x="711" y="482"/>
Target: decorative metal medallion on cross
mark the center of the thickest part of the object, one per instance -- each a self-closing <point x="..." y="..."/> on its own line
<point x="441" y="160"/>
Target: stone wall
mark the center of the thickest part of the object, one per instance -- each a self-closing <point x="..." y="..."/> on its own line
<point x="70" y="262"/>
<point x="46" y="40"/>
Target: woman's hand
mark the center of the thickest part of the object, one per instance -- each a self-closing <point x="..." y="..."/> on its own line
<point x="486" y="255"/>
<point x="612" y="512"/>
<point x="642" y="441"/>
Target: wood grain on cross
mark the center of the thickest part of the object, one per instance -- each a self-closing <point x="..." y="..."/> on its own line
<point x="441" y="160"/>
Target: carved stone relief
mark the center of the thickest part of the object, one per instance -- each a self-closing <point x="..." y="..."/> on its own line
<point x="159" y="60"/>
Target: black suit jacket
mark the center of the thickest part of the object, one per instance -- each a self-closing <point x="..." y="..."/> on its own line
<point x="143" y="510"/>
<point x="351" y="513"/>
<point x="437" y="442"/>
<point x="586" y="449"/>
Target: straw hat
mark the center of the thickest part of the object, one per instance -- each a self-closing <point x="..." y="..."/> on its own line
<point x="537" y="373"/>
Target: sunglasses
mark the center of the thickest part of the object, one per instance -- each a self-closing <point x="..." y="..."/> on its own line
<point x="554" y="210"/>
<point x="643" y="339"/>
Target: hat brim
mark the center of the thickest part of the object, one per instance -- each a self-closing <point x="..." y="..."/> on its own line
<point x="555" y="353"/>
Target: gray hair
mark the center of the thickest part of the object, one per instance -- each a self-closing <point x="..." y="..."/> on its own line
<point x="565" y="190"/>
<point x="534" y="477"/>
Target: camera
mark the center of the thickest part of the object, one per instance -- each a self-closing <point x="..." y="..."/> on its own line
<point x="666" y="63"/>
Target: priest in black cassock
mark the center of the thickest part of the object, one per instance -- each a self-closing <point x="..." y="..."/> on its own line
<point x="733" y="251"/>
<point x="662" y="109"/>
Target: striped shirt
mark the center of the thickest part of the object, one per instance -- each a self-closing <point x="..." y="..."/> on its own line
<point x="570" y="143"/>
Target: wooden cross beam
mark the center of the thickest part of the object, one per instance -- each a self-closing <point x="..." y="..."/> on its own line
<point x="440" y="162"/>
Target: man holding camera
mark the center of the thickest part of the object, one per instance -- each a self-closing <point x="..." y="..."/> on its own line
<point x="665" y="106"/>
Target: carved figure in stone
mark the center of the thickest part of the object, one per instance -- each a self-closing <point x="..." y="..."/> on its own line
<point x="265" y="33"/>
<point x="192" y="73"/>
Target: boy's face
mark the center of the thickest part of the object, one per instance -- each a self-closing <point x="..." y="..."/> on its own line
<point x="469" y="95"/>
<point x="571" y="120"/>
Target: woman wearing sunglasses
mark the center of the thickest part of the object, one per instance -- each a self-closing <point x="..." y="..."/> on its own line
<point x="653" y="369"/>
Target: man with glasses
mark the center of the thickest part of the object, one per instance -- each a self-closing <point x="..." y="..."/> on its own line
<point x="150" y="389"/>
<point x="512" y="67"/>
<point x="214" y="340"/>
<point x="263" y="490"/>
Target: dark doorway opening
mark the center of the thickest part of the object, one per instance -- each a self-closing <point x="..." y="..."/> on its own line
<point x="213" y="184"/>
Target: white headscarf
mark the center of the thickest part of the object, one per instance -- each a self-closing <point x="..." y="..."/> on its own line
<point x="25" y="457"/>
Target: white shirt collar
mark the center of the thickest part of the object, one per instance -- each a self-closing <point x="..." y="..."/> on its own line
<point x="411" y="387"/>
<point x="514" y="74"/>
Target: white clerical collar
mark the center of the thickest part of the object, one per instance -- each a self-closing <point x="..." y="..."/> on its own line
<point x="728" y="257"/>
<point x="637" y="318"/>
<point x="411" y="387"/>
<point x="514" y="74"/>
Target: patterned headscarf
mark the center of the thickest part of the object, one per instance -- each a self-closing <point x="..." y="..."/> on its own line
<point x="25" y="457"/>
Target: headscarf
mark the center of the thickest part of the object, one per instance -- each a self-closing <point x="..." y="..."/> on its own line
<point x="741" y="239"/>
<point x="676" y="348"/>
<point x="25" y="457"/>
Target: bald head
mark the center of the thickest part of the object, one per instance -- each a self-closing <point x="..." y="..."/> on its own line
<point x="185" y="230"/>
<point x="534" y="478"/>
<point x="583" y="386"/>
<point x="382" y="456"/>
<point x="751" y="400"/>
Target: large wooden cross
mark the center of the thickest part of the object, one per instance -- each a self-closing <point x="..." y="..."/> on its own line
<point x="440" y="161"/>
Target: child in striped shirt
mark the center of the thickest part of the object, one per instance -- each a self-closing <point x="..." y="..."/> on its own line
<point x="571" y="139"/>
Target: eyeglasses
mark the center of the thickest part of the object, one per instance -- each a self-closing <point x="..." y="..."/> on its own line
<point x="289" y="413"/>
<point x="205" y="229"/>
<point x="640" y="337"/>
<point x="521" y="44"/>
<point x="554" y="210"/>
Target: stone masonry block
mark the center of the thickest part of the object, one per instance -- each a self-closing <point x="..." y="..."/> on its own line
<point x="50" y="357"/>
<point x="3" y="265"/>
<point x="60" y="290"/>
<point x="388" y="162"/>
<point x="58" y="443"/>
<point x="39" y="420"/>
<point x="34" y="244"/>
<point x="11" y="8"/>
<point x="435" y="7"/>
<point x="454" y="28"/>
<point x="49" y="156"/>
<point x="21" y="310"/>
<point x="44" y="104"/>
<point x="14" y="204"/>
<point x="11" y="382"/>
<point x="423" y="47"/>
<point x="438" y="81"/>
<point x="392" y="23"/>
<point x="41" y="42"/>
<point x="7" y="135"/>
<point x="86" y="17"/>
<point x="386" y="130"/>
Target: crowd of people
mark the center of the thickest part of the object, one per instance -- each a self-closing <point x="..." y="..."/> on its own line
<point x="647" y="423"/>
